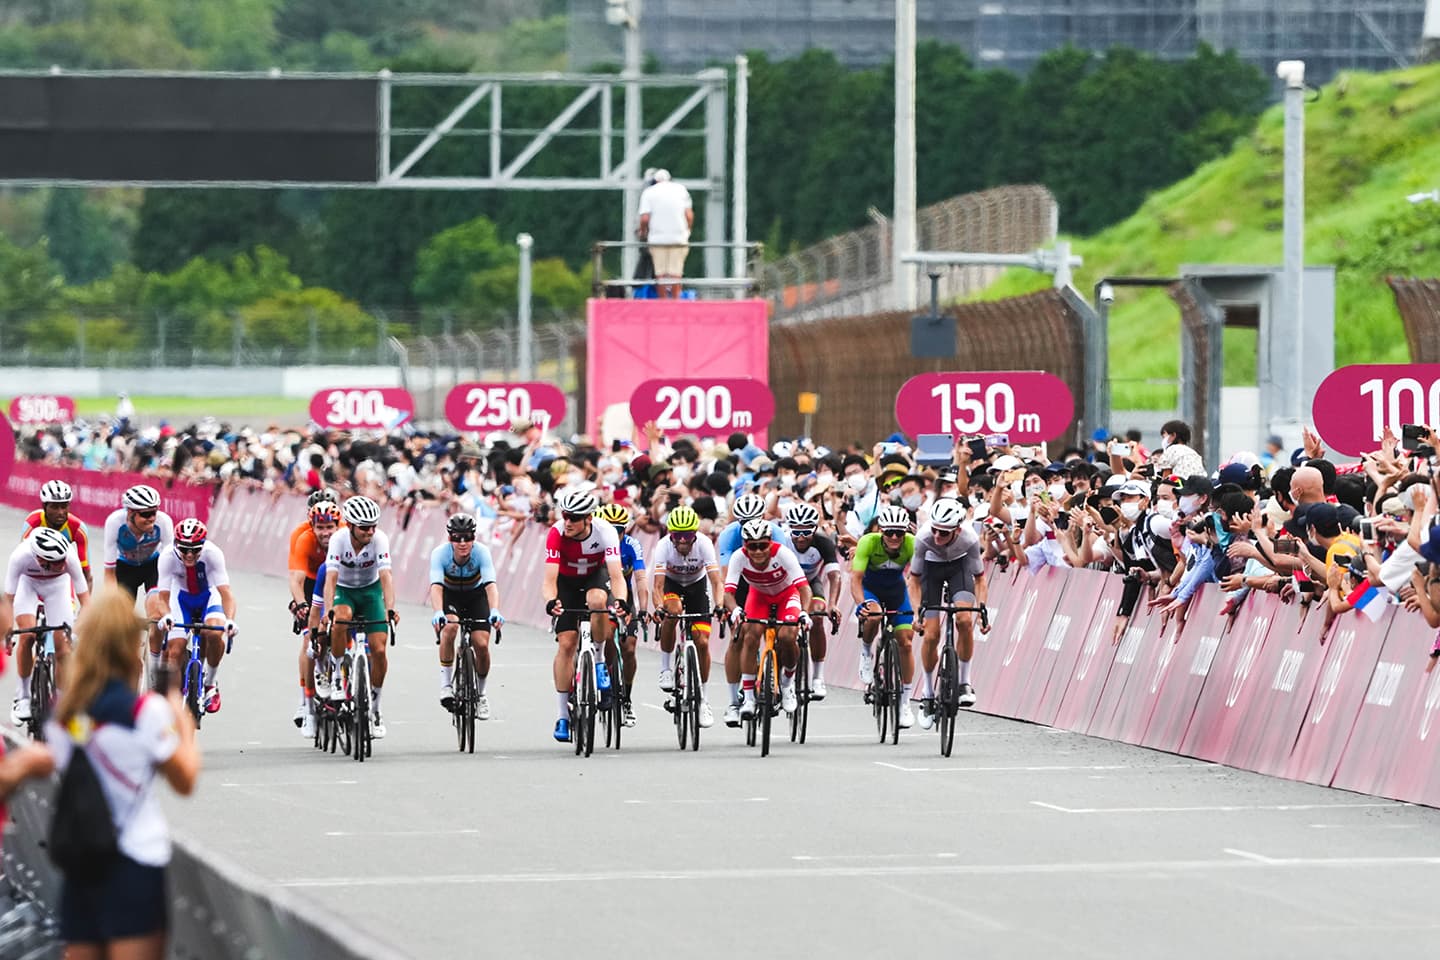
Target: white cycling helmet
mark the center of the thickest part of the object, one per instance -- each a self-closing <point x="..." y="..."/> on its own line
<point x="360" y="512"/>
<point x="579" y="502"/>
<point x="756" y="529"/>
<point x="946" y="514"/>
<point x="47" y="544"/>
<point x="141" y="497"/>
<point x="749" y="507"/>
<point x="893" y="517"/>
<point x="802" y="516"/>
<point x="56" y="491"/>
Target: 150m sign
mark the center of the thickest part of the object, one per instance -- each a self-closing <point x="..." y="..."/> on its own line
<point x="1028" y="406"/>
<point x="704" y="407"/>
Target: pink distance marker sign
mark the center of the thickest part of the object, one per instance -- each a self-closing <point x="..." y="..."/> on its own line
<point x="495" y="406"/>
<point x="1029" y="406"/>
<point x="1354" y="404"/>
<point x="360" y="408"/>
<point x="705" y="408"/>
<point x="42" y="408"/>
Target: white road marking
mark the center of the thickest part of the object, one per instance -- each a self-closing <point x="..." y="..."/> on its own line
<point x="811" y="858"/>
<point x="1367" y="826"/>
<point x="399" y="833"/>
<point x="969" y="916"/>
<point x="1046" y="768"/>
<point x="1215" y="809"/>
<point x="1253" y="857"/>
<point x="291" y="783"/>
<point x="866" y="871"/>
<point x="697" y="801"/>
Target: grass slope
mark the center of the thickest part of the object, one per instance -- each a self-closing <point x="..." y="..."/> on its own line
<point x="1371" y="139"/>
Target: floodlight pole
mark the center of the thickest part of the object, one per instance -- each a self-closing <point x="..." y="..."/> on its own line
<point x="903" y="236"/>
<point x="1292" y="315"/>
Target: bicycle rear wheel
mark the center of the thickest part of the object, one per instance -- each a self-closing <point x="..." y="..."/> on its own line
<point x="894" y="689"/>
<point x="948" y="703"/>
<point x="40" y="693"/>
<point x="765" y="698"/>
<point x="693" y="693"/>
<point x="802" y="693"/>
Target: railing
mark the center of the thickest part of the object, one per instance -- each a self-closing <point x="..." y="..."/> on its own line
<point x="604" y="283"/>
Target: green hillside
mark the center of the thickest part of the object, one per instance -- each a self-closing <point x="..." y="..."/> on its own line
<point x="1371" y="139"/>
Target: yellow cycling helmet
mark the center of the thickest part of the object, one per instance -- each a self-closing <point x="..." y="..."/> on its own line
<point x="683" y="519"/>
<point x="615" y="514"/>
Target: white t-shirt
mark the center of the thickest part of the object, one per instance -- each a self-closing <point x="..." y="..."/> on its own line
<point x="24" y="564"/>
<point x="666" y="202"/>
<point x="684" y="568"/>
<point x="357" y="568"/>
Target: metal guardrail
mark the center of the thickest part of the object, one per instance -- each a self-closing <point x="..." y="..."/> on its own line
<point x="217" y="910"/>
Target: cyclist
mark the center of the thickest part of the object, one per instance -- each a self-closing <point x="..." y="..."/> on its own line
<point x="877" y="582"/>
<point x="359" y="586"/>
<point x="632" y="561"/>
<point x="582" y="569"/>
<point x="775" y="579"/>
<point x="195" y="588"/>
<point x="308" y="545"/>
<point x="135" y="536"/>
<point x="683" y="563"/>
<point x="462" y="584"/>
<point x="947" y="553"/>
<point x="43" y="568"/>
<point x="821" y="563"/>
<point x="54" y="513"/>
<point x="747" y="507"/>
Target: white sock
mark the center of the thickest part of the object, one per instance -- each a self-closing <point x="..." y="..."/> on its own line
<point x="905" y="692"/>
<point x="964" y="671"/>
<point x="304" y="698"/>
<point x="562" y="697"/>
<point x="154" y="660"/>
<point x="665" y="660"/>
<point x="734" y="692"/>
<point x="480" y="686"/>
<point x="819" y="670"/>
<point x="929" y="686"/>
<point x="375" y="699"/>
<point x="866" y="649"/>
<point x="209" y="674"/>
<point x="447" y="675"/>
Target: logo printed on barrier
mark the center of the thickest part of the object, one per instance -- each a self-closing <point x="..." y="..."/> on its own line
<point x="1384" y="683"/>
<point x="1432" y="700"/>
<point x="1092" y="644"/>
<point x="1055" y="636"/>
<point x="1130" y="646"/>
<point x="1204" y="656"/>
<point x="1258" y="626"/>
<point x="1020" y="624"/>
<point x="1167" y="653"/>
<point x="1288" y="671"/>
<point x="1330" y="679"/>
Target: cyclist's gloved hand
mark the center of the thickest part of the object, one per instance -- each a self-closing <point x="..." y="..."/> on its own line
<point x="166" y="625"/>
<point x="438" y="619"/>
<point x="553" y="608"/>
<point x="620" y="608"/>
<point x="298" y="607"/>
<point x="231" y="629"/>
<point x="497" y="619"/>
<point x="804" y="621"/>
<point x="718" y="613"/>
<point x="393" y="616"/>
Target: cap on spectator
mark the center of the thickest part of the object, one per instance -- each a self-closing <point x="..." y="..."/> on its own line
<point x="1298" y="456"/>
<point x="894" y="470"/>
<point x="661" y="175"/>
<point x="1236" y="473"/>
<point x="1358" y="568"/>
<point x="1055" y="466"/>
<point x="521" y="424"/>
<point x="1196" y="485"/>
<point x="1100" y="436"/>
<point x="1007" y="462"/>
<point x="1430" y="549"/>
<point x="762" y="464"/>
<point x="658" y="467"/>
<point x="1324" y="518"/>
<point x="1133" y="488"/>
<point x="1393" y="505"/>
<point x="1274" y="440"/>
<point x="1348" y="516"/>
<point x="949" y="475"/>
<point x="782" y="449"/>
<point x="1299" y="519"/>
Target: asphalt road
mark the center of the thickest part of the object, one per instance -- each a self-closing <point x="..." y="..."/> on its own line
<point x="1026" y="843"/>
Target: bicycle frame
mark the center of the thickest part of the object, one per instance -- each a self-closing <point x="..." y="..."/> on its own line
<point x="685" y="714"/>
<point x="948" y="686"/>
<point x="582" y="712"/>
<point x="42" y="677"/>
<point x="767" y="680"/>
<point x="357" y="649"/>
<point x="885" y="700"/>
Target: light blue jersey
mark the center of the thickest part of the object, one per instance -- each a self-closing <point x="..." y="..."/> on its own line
<point x="474" y="573"/>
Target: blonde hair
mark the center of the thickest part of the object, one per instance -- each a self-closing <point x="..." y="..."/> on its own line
<point x="110" y="651"/>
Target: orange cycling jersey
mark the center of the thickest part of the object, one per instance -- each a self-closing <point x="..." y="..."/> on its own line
<point x="73" y="527"/>
<point x="305" y="551"/>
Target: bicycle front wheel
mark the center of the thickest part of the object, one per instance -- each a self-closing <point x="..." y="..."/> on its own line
<point x="680" y="703"/>
<point x="41" y="691"/>
<point x="193" y="687"/>
<point x="586" y="697"/>
<point x="766" y="695"/>
<point x="894" y="690"/>
<point x="948" y="704"/>
<point x="693" y="692"/>
<point x="360" y="710"/>
<point x="879" y="689"/>
<point x="465" y="700"/>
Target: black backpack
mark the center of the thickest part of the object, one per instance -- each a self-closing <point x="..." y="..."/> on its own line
<point x="83" y="840"/>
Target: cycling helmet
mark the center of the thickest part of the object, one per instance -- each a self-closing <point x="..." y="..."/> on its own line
<point x="461" y="525"/>
<point x="894" y="518"/>
<point x="190" y="533"/>
<point x="749" y="507"/>
<point x="320" y="496"/>
<point x="47" y="544"/>
<point x="682" y="520"/>
<point x="324" y="510"/>
<point x="578" y="501"/>
<point x="361" y="512"/>
<point x="802" y="516"/>
<point x="56" y="491"/>
<point x="756" y="529"/>
<point x="141" y="497"/>
<point x="946" y="514"/>
<point x="616" y="515"/>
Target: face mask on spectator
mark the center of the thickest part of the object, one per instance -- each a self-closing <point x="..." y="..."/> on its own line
<point x="913" y="501"/>
<point x="1058" y="491"/>
<point x="1130" y="510"/>
<point x="975" y="498"/>
<point x="1189" y="503"/>
<point x="1017" y="489"/>
<point x="857" y="481"/>
<point x="1034" y="489"/>
<point x="787" y="480"/>
<point x="1165" y="441"/>
<point x="682" y="472"/>
<point x="488" y="486"/>
<point x="784" y="503"/>
<point x="949" y="490"/>
<point x="610" y="477"/>
<point x="1166" y="508"/>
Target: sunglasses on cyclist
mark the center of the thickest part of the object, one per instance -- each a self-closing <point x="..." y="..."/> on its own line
<point x="892" y="533"/>
<point x="756" y="545"/>
<point x="683" y="537"/>
<point x="802" y="532"/>
<point x="52" y="564"/>
<point x="576" y="517"/>
<point x="188" y="551"/>
<point x="944" y="533"/>
<point x="461" y="539"/>
<point x="363" y="527"/>
<point x="144" y="514"/>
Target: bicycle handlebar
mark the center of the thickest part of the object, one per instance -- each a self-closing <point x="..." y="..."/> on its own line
<point x="361" y="625"/>
<point x="472" y="624"/>
<point x="981" y="609"/>
<point x="47" y="628"/>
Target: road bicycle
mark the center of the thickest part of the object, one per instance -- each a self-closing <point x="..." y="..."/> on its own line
<point x="685" y="697"/>
<point x="465" y="688"/>
<point x="42" y="676"/>
<point x="800" y="718"/>
<point x="192" y="675"/>
<point x="593" y="695"/>
<point x="354" y="711"/>
<point x="947" y="692"/>
<point x="886" y="691"/>
<point x="767" y="682"/>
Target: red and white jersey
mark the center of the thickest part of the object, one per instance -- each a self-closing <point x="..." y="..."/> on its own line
<point x="580" y="558"/>
<point x="780" y="572"/>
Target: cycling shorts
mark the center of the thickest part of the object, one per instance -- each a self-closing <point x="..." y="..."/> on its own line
<point x="142" y="577"/>
<point x="571" y="592"/>
<point x="946" y="579"/>
<point x="193" y="608"/>
<point x="471" y="605"/>
<point x="787" y="604"/>
<point x="366" y="603"/>
<point x="694" y="597"/>
<point x="893" y="597"/>
<point x="53" y="592"/>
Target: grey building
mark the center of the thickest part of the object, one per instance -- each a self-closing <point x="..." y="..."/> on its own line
<point x="1331" y="35"/>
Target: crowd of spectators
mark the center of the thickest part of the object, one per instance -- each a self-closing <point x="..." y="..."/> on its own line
<point x="1301" y="525"/>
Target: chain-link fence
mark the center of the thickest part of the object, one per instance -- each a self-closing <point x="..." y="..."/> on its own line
<point x="850" y="274"/>
<point x="1419" y="304"/>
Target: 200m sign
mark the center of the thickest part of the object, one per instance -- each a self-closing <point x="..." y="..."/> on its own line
<point x="704" y="407"/>
<point x="1028" y="406"/>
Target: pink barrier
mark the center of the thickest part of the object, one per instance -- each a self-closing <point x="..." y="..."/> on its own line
<point x="97" y="494"/>
<point x="1077" y="635"/>
<point x="1125" y="705"/>
<point x="1003" y="661"/>
<point x="1233" y="679"/>
<point x="1413" y="770"/>
<point x="1183" y="679"/>
<point x="1384" y="744"/>
<point x="1352" y="650"/>
<point x="1093" y="664"/>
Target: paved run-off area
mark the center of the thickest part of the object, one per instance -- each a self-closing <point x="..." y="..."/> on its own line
<point x="1027" y="842"/>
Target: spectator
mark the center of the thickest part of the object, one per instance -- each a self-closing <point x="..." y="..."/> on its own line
<point x="666" y="216"/>
<point x="1176" y="456"/>
<point x="129" y="740"/>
